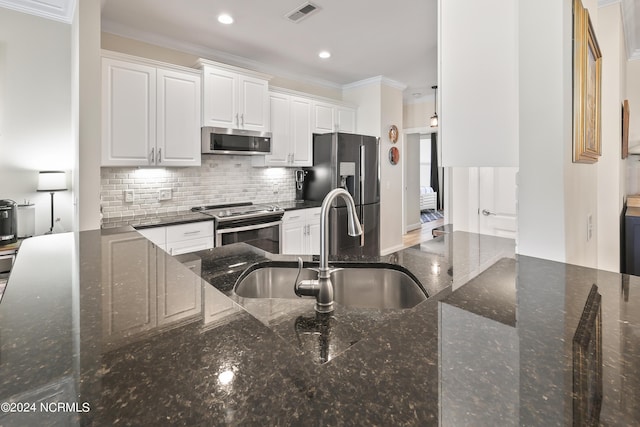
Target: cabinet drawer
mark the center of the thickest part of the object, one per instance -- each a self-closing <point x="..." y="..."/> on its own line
<point x="191" y="245"/>
<point x="293" y="216"/>
<point x="194" y="230"/>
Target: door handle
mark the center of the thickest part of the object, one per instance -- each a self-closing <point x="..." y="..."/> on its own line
<point x="486" y="212"/>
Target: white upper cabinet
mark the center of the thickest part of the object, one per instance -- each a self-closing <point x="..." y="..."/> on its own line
<point x="290" y="132"/>
<point x="232" y="99"/>
<point x="151" y="115"/>
<point x="178" y="113"/>
<point x="329" y="117"/>
<point x="129" y="113"/>
<point x="346" y="119"/>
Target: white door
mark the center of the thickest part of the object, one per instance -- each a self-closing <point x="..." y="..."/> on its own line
<point x="313" y="231"/>
<point x="293" y="237"/>
<point x="280" y="128"/>
<point x="178" y="134"/>
<point x="253" y="103"/>
<point x="412" y="182"/>
<point x="128" y="113"/>
<point x="323" y="120"/>
<point x="497" y="201"/>
<point x="300" y="140"/>
<point x="220" y="103"/>
<point x="346" y="119"/>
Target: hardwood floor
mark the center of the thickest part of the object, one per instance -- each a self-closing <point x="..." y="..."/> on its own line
<point x="421" y="234"/>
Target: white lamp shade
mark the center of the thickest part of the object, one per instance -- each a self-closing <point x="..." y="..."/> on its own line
<point x="52" y="181"/>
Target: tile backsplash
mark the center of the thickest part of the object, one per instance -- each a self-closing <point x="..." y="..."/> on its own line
<point x="220" y="180"/>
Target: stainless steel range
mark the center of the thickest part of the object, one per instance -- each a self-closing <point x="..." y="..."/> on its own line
<point x="259" y="225"/>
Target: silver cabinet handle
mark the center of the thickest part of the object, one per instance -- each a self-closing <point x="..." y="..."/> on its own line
<point x="237" y="120"/>
<point x="153" y="156"/>
<point x="187" y="233"/>
<point x="242" y="118"/>
<point x="159" y="155"/>
<point x="486" y="212"/>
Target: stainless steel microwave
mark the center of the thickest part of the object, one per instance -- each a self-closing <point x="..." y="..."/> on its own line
<point x="235" y="141"/>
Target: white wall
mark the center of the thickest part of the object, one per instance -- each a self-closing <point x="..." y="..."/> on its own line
<point x="87" y="31"/>
<point x="478" y="56"/>
<point x="36" y="111"/>
<point x="611" y="168"/>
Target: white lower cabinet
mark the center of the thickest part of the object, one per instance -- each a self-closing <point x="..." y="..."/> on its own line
<point x="301" y="232"/>
<point x="183" y="238"/>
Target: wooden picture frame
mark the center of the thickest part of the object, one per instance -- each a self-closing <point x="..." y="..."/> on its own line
<point x="625" y="128"/>
<point x="587" y="82"/>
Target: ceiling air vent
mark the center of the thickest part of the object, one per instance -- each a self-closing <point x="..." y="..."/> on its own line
<point x="301" y="12"/>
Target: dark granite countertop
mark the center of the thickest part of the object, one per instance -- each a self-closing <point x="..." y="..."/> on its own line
<point x="292" y="205"/>
<point x="125" y="334"/>
<point x="160" y="219"/>
<point x="149" y="220"/>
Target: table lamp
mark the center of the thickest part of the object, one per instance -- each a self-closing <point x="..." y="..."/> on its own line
<point x="52" y="181"/>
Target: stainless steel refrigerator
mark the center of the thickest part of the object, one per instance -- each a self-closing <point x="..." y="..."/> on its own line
<point x="344" y="160"/>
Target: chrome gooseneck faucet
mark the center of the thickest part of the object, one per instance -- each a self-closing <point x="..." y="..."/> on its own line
<point x="322" y="288"/>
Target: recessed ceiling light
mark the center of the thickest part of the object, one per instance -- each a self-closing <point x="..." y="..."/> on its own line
<point x="324" y="54"/>
<point x="225" y="19"/>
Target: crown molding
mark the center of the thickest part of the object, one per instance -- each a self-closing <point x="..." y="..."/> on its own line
<point x="57" y="10"/>
<point x="603" y="3"/>
<point x="376" y="80"/>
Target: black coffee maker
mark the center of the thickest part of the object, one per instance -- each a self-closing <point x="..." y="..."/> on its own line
<point x="300" y="175"/>
<point x="8" y="222"/>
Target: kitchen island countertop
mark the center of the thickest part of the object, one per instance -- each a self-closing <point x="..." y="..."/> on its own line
<point x="126" y="334"/>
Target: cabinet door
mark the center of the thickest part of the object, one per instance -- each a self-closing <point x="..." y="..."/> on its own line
<point x="129" y="286"/>
<point x="313" y="231"/>
<point x="301" y="142"/>
<point x="280" y="130"/>
<point x="178" y="132"/>
<point x="128" y="113"/>
<point x="293" y="233"/>
<point x="180" y="291"/>
<point x="346" y="119"/>
<point x="220" y="103"/>
<point x="323" y="118"/>
<point x="253" y="103"/>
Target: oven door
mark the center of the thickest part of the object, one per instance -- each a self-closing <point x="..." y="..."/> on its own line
<point x="267" y="236"/>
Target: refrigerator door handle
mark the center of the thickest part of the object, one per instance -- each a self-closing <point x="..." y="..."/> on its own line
<point x="363" y="156"/>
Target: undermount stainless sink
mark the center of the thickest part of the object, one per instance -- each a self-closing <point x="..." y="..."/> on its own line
<point x="369" y="286"/>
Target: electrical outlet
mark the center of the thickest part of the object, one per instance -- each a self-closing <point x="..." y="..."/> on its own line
<point x="275" y="188"/>
<point x="128" y="196"/>
<point x="164" y="194"/>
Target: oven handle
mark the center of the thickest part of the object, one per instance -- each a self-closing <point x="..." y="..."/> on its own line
<point x="248" y="227"/>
